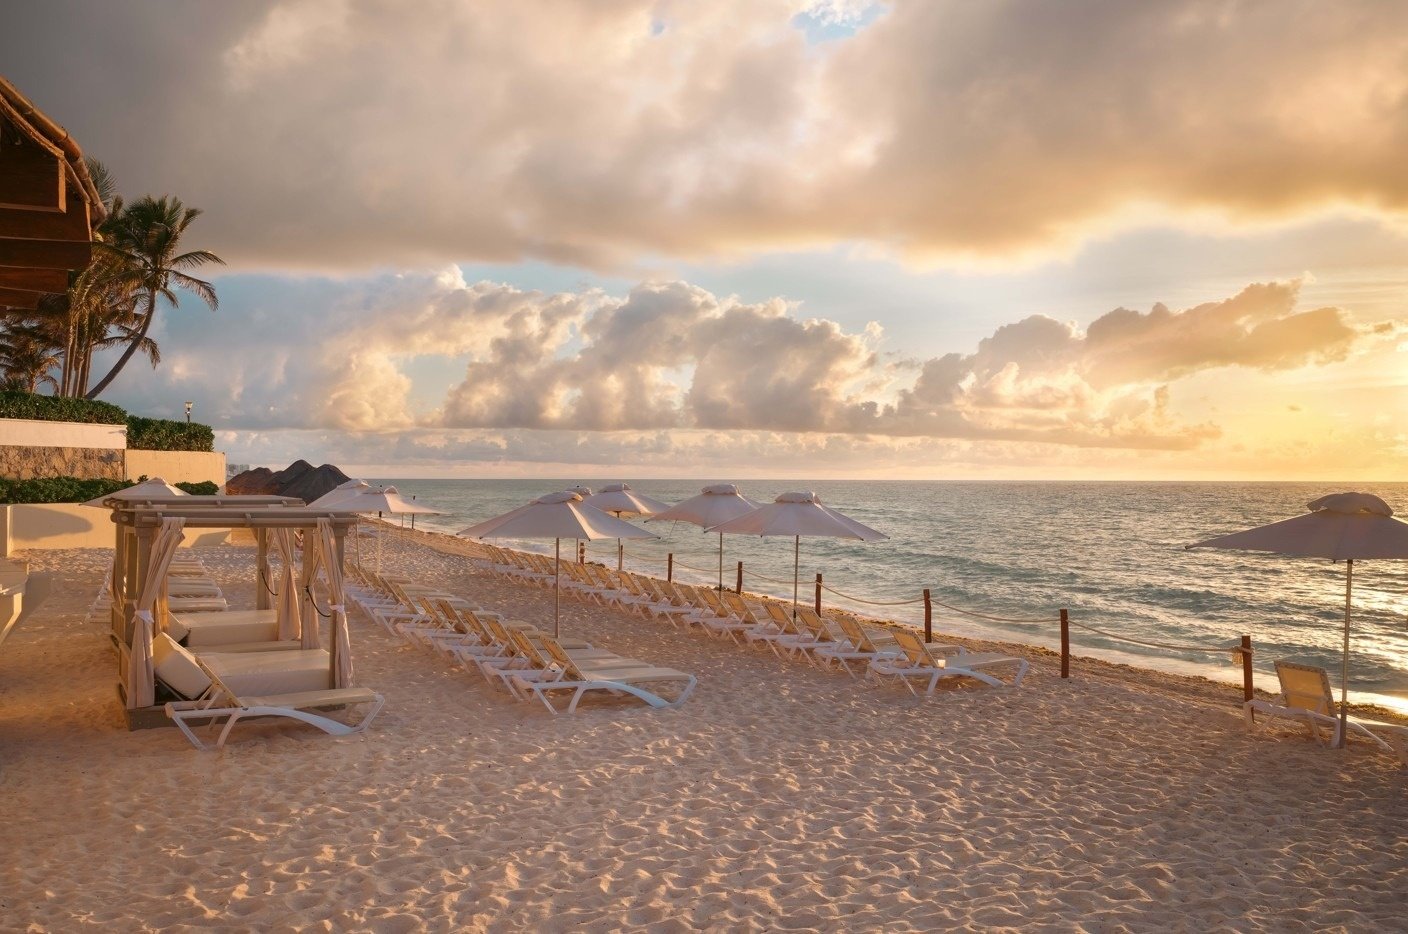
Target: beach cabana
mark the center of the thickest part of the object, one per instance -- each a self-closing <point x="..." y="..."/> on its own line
<point x="154" y="531"/>
<point x="714" y="506"/>
<point x="796" y="515"/>
<point x="1341" y="527"/>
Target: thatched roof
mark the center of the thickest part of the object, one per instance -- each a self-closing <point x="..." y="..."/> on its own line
<point x="48" y="203"/>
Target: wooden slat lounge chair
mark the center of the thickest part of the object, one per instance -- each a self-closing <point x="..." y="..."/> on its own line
<point x="1306" y="696"/>
<point x="628" y="678"/>
<point x="863" y="645"/>
<point x="920" y="664"/>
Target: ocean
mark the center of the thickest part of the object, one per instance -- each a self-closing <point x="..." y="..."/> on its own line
<point x="1110" y="553"/>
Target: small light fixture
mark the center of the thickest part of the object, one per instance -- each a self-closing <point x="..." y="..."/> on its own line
<point x="188" y="412"/>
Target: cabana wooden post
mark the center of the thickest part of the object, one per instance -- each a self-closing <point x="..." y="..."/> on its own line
<point x="137" y="523"/>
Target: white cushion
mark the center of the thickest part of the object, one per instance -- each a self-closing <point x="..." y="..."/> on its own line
<point x="177" y="627"/>
<point x="177" y="669"/>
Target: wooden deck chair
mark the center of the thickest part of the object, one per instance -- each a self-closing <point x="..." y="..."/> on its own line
<point x="1306" y="696"/>
<point x="219" y="702"/>
<point x="921" y="664"/>
<point x="627" y="677"/>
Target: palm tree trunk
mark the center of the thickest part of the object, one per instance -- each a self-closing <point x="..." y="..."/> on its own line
<point x="131" y="348"/>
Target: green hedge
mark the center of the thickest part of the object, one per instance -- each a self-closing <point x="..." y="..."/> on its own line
<point x="77" y="490"/>
<point x="19" y="404"/>
<point x="164" y="434"/>
<point x="56" y="489"/>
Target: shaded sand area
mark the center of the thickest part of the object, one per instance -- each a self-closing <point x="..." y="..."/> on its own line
<point x="780" y="797"/>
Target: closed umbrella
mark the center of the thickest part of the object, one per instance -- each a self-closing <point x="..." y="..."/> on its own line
<point x="798" y="514"/>
<point x="713" y="506"/>
<point x="619" y="500"/>
<point x="1342" y="527"/>
<point x="555" y="516"/>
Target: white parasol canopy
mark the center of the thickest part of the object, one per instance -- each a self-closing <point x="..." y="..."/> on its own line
<point x="621" y="501"/>
<point x="1341" y="527"/>
<point x="147" y="488"/>
<point x="713" y="506"/>
<point x="798" y="514"/>
<point x="340" y="492"/>
<point x="555" y="516"/>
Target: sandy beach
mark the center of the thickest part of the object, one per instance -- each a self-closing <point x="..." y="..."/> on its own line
<point x="780" y="797"/>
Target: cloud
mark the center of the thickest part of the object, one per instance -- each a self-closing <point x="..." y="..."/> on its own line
<point x="330" y="134"/>
<point x="432" y="351"/>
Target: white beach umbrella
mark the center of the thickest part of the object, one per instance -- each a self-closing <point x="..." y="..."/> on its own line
<point x="1342" y="527"/>
<point x="147" y="488"/>
<point x="366" y="498"/>
<point x="713" y="506"/>
<point x="798" y="514"/>
<point x="621" y="501"/>
<point x="555" y="516"/>
<point x="340" y="492"/>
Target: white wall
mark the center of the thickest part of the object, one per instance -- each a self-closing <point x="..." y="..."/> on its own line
<point x="71" y="525"/>
<point x="177" y="466"/>
<point x="27" y="432"/>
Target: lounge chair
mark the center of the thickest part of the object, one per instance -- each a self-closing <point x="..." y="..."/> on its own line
<point x="919" y="663"/>
<point x="220" y="701"/>
<point x="1306" y="696"/>
<point x="864" y="646"/>
<point x="626" y="677"/>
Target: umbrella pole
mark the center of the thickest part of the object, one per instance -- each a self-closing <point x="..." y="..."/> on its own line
<point x="796" y="563"/>
<point x="721" y="562"/>
<point x="1344" y="659"/>
<point x="556" y="569"/>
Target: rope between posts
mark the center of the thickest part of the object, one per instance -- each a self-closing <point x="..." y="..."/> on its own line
<point x="846" y="596"/>
<point x="770" y="580"/>
<point x="264" y="579"/>
<point x="690" y="567"/>
<point x="1211" y="650"/>
<point x="995" y="619"/>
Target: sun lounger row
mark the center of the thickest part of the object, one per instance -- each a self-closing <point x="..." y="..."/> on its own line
<point x="190" y="588"/>
<point x="843" y="643"/>
<point x="513" y="655"/>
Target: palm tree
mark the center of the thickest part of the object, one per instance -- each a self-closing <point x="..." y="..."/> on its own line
<point x="27" y="355"/>
<point x="146" y="235"/>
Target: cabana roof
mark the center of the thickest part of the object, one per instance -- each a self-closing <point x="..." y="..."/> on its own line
<point x="48" y="203"/>
<point x="254" y="517"/>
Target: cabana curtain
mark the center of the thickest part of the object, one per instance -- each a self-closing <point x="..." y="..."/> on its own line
<point x="312" y="561"/>
<point x="141" y="678"/>
<point x="287" y="606"/>
<point x="341" y="639"/>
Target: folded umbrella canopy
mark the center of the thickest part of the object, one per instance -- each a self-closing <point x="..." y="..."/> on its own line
<point x="619" y="500"/>
<point x="798" y="514"/>
<point x="555" y="516"/>
<point x="1342" y="527"/>
<point x="713" y="506"/>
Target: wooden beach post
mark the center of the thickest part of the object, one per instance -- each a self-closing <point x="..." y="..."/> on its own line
<point x="1246" y="652"/>
<point x="818" y="593"/>
<point x="738" y="587"/>
<point x="928" y="617"/>
<point x="1065" y="643"/>
<point x="670" y="567"/>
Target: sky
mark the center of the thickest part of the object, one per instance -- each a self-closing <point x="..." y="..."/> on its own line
<point x="923" y="239"/>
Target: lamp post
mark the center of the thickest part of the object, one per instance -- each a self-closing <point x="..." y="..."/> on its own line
<point x="188" y="412"/>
